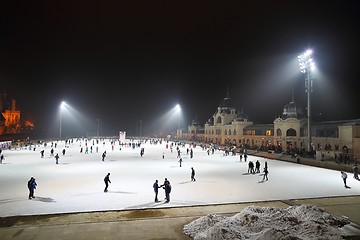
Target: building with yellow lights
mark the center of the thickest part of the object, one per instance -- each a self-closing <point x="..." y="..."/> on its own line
<point x="287" y="133"/>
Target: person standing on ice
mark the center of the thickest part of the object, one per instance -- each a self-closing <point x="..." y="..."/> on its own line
<point x="103" y="156"/>
<point x="257" y="166"/>
<point x="57" y="158"/>
<point x="180" y="161"/>
<point x="156" y="189"/>
<point x="32" y="186"/>
<point x="107" y="181"/>
<point x="193" y="174"/>
<point x="167" y="187"/>
<point x="266" y="172"/>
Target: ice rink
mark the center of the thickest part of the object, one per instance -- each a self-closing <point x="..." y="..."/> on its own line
<point x="76" y="183"/>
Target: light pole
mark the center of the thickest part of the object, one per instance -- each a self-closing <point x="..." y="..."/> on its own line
<point x="306" y="66"/>
<point x="62" y="106"/>
<point x="178" y="110"/>
<point x="98" y="127"/>
<point x="140" y="122"/>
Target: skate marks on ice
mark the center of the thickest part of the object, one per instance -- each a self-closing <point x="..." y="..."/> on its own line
<point x="97" y="193"/>
<point x="43" y="199"/>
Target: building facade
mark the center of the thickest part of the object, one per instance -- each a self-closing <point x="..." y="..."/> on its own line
<point x="9" y="117"/>
<point x="288" y="132"/>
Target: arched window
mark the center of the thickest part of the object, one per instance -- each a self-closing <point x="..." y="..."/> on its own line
<point x="279" y="132"/>
<point x="234" y="132"/>
<point x="218" y="119"/>
<point x="291" y="132"/>
<point x="225" y="132"/>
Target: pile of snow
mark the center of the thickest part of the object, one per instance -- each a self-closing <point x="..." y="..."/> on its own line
<point x="267" y="223"/>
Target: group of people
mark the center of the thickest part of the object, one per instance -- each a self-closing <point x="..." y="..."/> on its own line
<point x="254" y="169"/>
<point x="166" y="186"/>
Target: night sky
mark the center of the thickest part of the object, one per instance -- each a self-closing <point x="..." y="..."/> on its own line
<point x="126" y="61"/>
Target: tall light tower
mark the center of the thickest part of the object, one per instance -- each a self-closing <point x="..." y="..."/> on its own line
<point x="178" y="110"/>
<point x="98" y="127"/>
<point x="62" y="106"/>
<point x="306" y="66"/>
<point x="140" y="122"/>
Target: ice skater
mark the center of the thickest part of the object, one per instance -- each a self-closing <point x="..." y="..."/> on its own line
<point x="103" y="156"/>
<point x="266" y="172"/>
<point x="344" y="177"/>
<point x="57" y="158"/>
<point x="180" y="161"/>
<point x="356" y="171"/>
<point x="167" y="187"/>
<point x="257" y="166"/>
<point x="156" y="190"/>
<point x="193" y="174"/>
<point x="32" y="186"/>
<point x="107" y="181"/>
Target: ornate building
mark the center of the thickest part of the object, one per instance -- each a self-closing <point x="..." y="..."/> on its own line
<point x="287" y="132"/>
<point x="10" y="116"/>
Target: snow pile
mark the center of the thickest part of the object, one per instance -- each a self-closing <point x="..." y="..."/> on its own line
<point x="267" y="223"/>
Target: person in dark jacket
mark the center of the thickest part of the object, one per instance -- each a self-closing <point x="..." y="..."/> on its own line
<point x="103" y="156"/>
<point x="57" y="158"/>
<point x="32" y="186"/>
<point x="107" y="181"/>
<point x="167" y="187"/>
<point x="193" y="174"/>
<point x="156" y="190"/>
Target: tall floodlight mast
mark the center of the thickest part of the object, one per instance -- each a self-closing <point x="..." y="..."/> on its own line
<point x="306" y="67"/>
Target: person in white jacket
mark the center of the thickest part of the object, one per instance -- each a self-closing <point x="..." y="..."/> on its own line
<point x="344" y="177"/>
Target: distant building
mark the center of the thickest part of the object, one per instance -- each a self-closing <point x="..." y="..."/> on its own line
<point x="288" y="132"/>
<point x="10" y="116"/>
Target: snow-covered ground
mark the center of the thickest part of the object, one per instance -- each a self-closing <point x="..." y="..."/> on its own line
<point x="76" y="183"/>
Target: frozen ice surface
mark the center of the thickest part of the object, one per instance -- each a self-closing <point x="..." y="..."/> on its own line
<point x="76" y="183"/>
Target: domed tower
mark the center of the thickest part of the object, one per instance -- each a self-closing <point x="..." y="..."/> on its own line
<point x="195" y="128"/>
<point x="226" y="112"/>
<point x="242" y="117"/>
<point x="290" y="126"/>
<point x="292" y="110"/>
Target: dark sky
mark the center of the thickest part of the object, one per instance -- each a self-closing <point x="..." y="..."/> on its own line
<point x="126" y="61"/>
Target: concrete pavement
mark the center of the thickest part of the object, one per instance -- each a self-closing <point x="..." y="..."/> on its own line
<point x="160" y="223"/>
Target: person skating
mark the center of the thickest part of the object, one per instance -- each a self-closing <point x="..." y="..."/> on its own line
<point x="344" y="177"/>
<point x="257" y="166"/>
<point x="180" y="161"/>
<point x="107" y="181"/>
<point x="266" y="172"/>
<point x="103" y="156"/>
<point x="193" y="174"/>
<point x="32" y="186"/>
<point x="156" y="189"/>
<point x="57" y="158"/>
<point x="167" y="187"/>
<point x="356" y="171"/>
